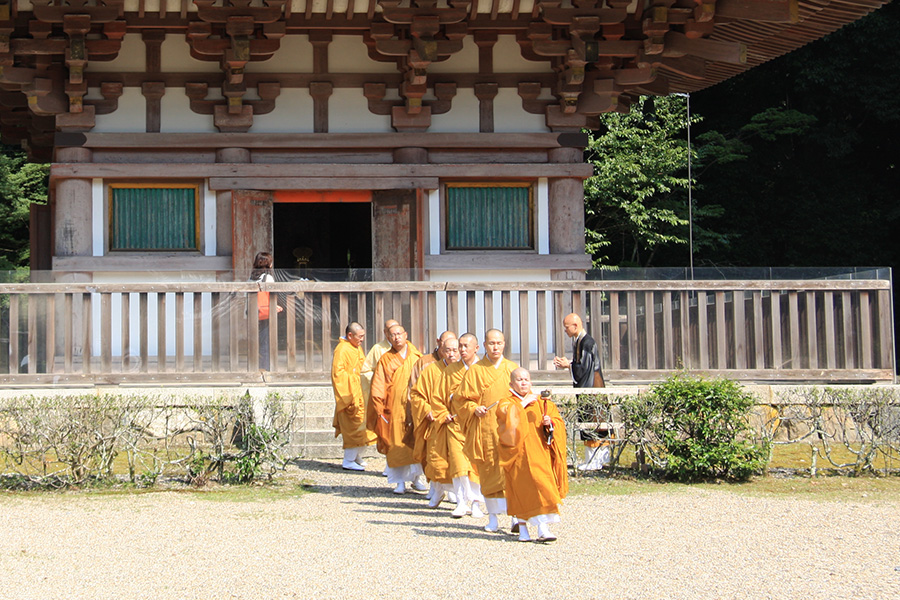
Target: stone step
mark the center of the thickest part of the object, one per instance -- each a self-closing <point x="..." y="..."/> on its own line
<point x="315" y="409"/>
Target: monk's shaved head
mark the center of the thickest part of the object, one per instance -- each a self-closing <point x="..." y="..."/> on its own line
<point x="494" y="344"/>
<point x="518" y="372"/>
<point x="355" y="334"/>
<point x="468" y="348"/>
<point x="387" y="326"/>
<point x="572" y="325"/>
<point x="494" y="333"/>
<point x="520" y="381"/>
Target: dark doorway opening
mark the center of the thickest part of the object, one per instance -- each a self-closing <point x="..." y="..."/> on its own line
<point x="332" y="236"/>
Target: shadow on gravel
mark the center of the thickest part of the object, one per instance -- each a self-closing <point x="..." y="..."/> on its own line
<point x="327" y="467"/>
<point x="404" y="509"/>
<point x="451" y="530"/>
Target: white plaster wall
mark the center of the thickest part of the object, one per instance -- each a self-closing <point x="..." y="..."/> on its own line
<point x="508" y="58"/>
<point x="131" y="57"/>
<point x="348" y="112"/>
<point x="176" y="57"/>
<point x="295" y="55"/>
<point x="177" y="116"/>
<point x="152" y="6"/>
<point x="464" y="61"/>
<point x="131" y="116"/>
<point x="348" y="54"/>
<point x="462" y="117"/>
<point x="293" y="114"/>
<point x="510" y="117"/>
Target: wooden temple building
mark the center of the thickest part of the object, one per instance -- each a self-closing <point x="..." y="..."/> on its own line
<point x="426" y="139"/>
<point x="438" y="143"/>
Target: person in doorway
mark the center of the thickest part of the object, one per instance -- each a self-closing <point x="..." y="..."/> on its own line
<point x="586" y="373"/>
<point x="532" y="439"/>
<point x="390" y="415"/>
<point x="350" y="406"/>
<point x="264" y="273"/>
<point x="484" y="385"/>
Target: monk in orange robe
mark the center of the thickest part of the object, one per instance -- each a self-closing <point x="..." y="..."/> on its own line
<point x="427" y="359"/>
<point x="466" y="484"/>
<point x="421" y="409"/>
<point x="350" y="405"/>
<point x="429" y="415"/>
<point x="532" y="439"/>
<point x="390" y="412"/>
<point x="485" y="384"/>
<point x="372" y="358"/>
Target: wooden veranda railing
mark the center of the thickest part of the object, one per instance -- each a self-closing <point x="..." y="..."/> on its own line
<point x="837" y="330"/>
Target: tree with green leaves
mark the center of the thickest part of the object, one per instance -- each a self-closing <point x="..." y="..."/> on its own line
<point x="824" y="191"/>
<point x="636" y="203"/>
<point x="22" y="184"/>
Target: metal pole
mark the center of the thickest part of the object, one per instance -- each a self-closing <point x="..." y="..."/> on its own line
<point x="690" y="190"/>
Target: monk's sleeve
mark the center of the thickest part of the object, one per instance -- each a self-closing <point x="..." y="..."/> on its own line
<point x="341" y="372"/>
<point x="467" y="396"/>
<point x="418" y="400"/>
<point x="510" y="420"/>
<point x="439" y="408"/>
<point x="367" y="371"/>
<point x="558" y="458"/>
<point x="377" y="396"/>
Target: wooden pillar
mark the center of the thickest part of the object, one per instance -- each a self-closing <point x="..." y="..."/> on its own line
<point x="566" y="212"/>
<point x="72" y="202"/>
<point x="224" y="224"/>
<point x="395" y="236"/>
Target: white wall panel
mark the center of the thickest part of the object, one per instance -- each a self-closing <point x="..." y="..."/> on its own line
<point x="510" y="116"/>
<point x="293" y="114"/>
<point x="464" y="61"/>
<point x="176" y="57"/>
<point x="508" y="58"/>
<point x="348" y="54"/>
<point x="294" y="56"/>
<point x="131" y="116"/>
<point x="348" y="112"/>
<point x="177" y="115"/>
<point x="463" y="115"/>
<point x="131" y="57"/>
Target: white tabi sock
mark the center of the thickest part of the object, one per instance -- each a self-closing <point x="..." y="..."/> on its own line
<point x="492" y="525"/>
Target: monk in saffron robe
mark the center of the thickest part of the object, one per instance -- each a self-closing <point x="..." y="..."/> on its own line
<point x="429" y="415"/>
<point x="420" y="417"/>
<point x="532" y="438"/>
<point x="466" y="484"/>
<point x="485" y="384"/>
<point x="427" y="359"/>
<point x="372" y="358"/>
<point x="350" y="406"/>
<point x="390" y="415"/>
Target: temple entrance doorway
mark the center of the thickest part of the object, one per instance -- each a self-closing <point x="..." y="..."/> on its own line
<point x="325" y="233"/>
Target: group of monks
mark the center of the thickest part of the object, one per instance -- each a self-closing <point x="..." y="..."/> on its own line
<point x="473" y="428"/>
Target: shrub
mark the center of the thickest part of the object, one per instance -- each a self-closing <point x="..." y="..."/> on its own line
<point x="702" y="429"/>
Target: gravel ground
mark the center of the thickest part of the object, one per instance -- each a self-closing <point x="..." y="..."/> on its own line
<point x="353" y="538"/>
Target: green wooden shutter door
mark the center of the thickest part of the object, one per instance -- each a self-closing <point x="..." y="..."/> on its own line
<point x="488" y="217"/>
<point x="154" y="219"/>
